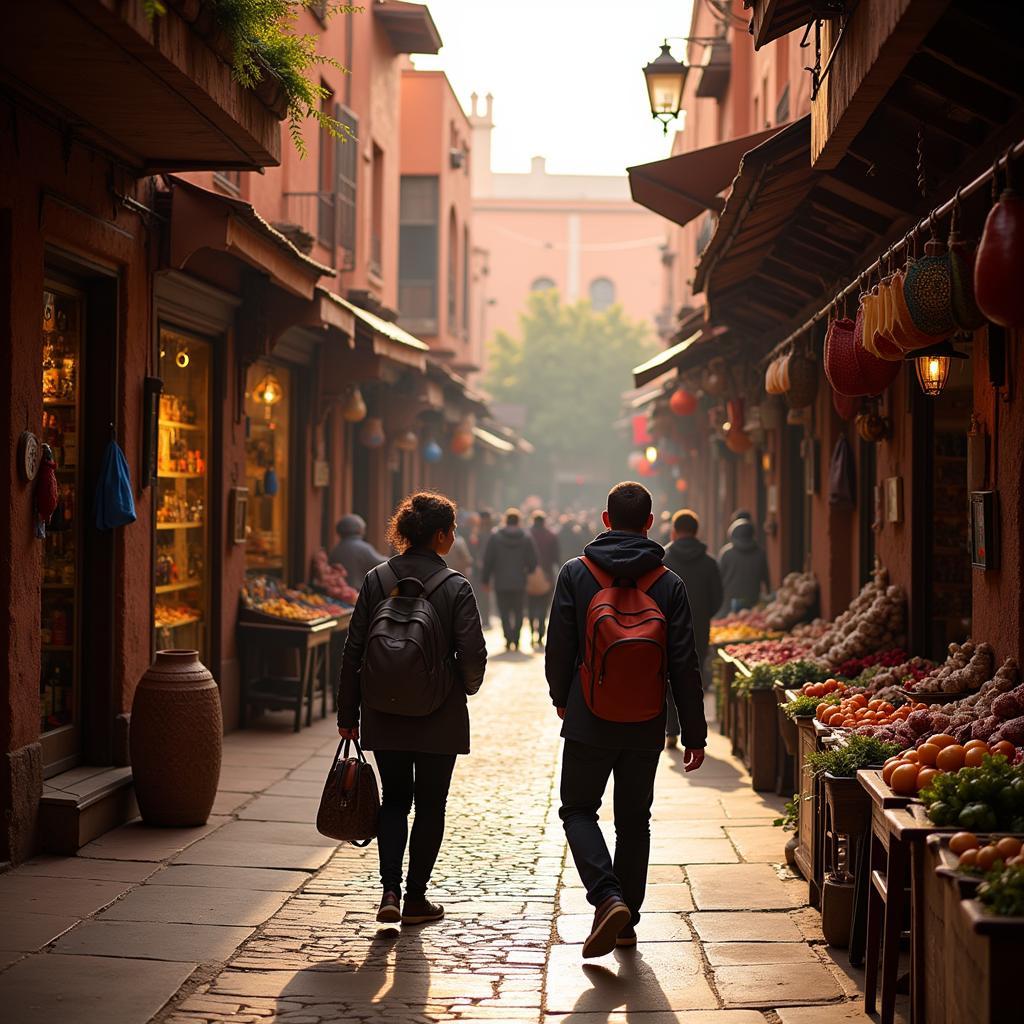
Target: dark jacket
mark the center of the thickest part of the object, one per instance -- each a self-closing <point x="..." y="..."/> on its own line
<point x="546" y="545"/>
<point x="744" y="568"/>
<point x="509" y="559"/>
<point x="446" y="730"/>
<point x="358" y="556"/>
<point x="688" y="558"/>
<point x="622" y="555"/>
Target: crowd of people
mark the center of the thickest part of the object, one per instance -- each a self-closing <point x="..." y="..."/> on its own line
<point x="625" y="617"/>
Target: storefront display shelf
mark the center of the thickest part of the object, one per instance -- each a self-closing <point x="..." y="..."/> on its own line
<point x="179" y="526"/>
<point x="177" y="625"/>
<point x="181" y="426"/>
<point x="170" y="588"/>
<point x="59" y="403"/>
<point x="170" y="474"/>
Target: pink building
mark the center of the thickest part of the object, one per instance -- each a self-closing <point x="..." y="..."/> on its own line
<point x="580" y="234"/>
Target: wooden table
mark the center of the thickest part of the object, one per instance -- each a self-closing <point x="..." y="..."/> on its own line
<point x="258" y="641"/>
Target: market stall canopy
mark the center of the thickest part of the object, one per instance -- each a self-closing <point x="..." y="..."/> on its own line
<point x="384" y="338"/>
<point x="459" y="391"/>
<point x="205" y="220"/>
<point x="775" y="18"/>
<point x="493" y="441"/>
<point x="409" y="26"/>
<point x="687" y="354"/>
<point x="151" y="91"/>
<point x="682" y="187"/>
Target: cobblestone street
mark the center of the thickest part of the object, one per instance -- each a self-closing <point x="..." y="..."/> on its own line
<point x="258" y="918"/>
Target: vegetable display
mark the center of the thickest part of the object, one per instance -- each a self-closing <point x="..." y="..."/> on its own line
<point x="988" y="797"/>
<point x="874" y="621"/>
<point x="793" y="601"/>
<point x="1002" y="892"/>
<point x="978" y="858"/>
<point x="966" y="668"/>
<point x="771" y="652"/>
<point x="850" y="757"/>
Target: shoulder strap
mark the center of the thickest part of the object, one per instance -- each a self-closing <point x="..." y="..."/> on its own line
<point x="648" y="579"/>
<point x="387" y="578"/>
<point x="604" y="581"/>
<point x="436" y="580"/>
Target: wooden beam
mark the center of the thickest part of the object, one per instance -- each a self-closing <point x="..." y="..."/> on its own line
<point x="879" y="39"/>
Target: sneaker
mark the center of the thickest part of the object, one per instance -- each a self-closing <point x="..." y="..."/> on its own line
<point x="627" y="937"/>
<point x="671" y="742"/>
<point x="610" y="918"/>
<point x="421" y="911"/>
<point x="388" y="912"/>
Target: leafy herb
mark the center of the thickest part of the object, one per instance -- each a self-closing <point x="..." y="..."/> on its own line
<point x="846" y="760"/>
<point x="986" y="798"/>
<point x="805" y="707"/>
<point x="1003" y="891"/>
<point x="791" y="819"/>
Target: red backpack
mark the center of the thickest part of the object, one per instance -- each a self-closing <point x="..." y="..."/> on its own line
<point x="625" y="659"/>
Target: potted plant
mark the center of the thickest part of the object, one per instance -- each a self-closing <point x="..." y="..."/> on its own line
<point x="848" y="805"/>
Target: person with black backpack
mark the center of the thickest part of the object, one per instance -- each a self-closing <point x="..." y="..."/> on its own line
<point x="415" y="651"/>
<point x="620" y="636"/>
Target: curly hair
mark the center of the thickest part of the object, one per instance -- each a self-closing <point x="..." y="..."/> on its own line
<point x="418" y="519"/>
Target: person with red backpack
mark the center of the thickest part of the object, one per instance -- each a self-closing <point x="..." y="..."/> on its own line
<point x="619" y="637"/>
<point x="415" y="651"/>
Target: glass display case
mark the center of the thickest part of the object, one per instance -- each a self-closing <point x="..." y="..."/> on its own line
<point x="180" y="574"/>
<point x="62" y="326"/>
<point x="268" y="399"/>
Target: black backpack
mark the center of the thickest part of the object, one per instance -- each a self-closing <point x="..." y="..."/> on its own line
<point x="406" y="664"/>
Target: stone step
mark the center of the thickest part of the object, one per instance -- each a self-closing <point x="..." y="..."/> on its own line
<point x="83" y="803"/>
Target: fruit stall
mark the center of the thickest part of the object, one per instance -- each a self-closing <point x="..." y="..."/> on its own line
<point x="290" y="639"/>
<point x="909" y="777"/>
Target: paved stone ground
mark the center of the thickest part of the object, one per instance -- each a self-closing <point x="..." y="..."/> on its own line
<point x="257" y="918"/>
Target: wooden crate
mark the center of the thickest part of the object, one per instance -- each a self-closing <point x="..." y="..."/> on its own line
<point x="808" y="852"/>
<point x="987" y="954"/>
<point x="762" y="739"/>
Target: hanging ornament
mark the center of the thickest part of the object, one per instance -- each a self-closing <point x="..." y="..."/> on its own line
<point x="737" y="440"/>
<point x="681" y="485"/>
<point x="268" y="392"/>
<point x="46" y="490"/>
<point x="407" y="442"/>
<point x="682" y="402"/>
<point x="462" y="442"/>
<point x="354" y="410"/>
<point x="372" y="433"/>
<point x="432" y="452"/>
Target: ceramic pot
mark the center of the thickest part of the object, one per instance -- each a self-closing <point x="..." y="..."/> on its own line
<point x="175" y="737"/>
<point x="846" y="408"/>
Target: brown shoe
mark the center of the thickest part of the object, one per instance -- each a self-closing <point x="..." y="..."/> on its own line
<point x="388" y="912"/>
<point x="627" y="937"/>
<point x="421" y="911"/>
<point x="609" y="920"/>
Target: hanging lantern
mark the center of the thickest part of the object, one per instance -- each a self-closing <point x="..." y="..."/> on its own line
<point x="646" y="469"/>
<point x="372" y="433"/>
<point x="432" y="452"/>
<point x="682" y="402"/>
<point x="651" y="454"/>
<point x="268" y="392"/>
<point x="737" y="440"/>
<point x="407" y="442"/>
<point x="933" y="366"/>
<point x="355" y="406"/>
<point x="681" y="485"/>
<point x="462" y="442"/>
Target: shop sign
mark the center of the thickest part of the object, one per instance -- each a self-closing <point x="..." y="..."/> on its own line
<point x="984" y="530"/>
<point x="321" y="473"/>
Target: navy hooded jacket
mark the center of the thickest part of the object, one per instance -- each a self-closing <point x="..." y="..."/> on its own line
<point x="626" y="555"/>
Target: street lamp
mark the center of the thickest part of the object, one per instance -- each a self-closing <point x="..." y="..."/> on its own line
<point x="666" y="78"/>
<point x="933" y="366"/>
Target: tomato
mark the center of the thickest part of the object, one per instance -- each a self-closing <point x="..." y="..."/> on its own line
<point x="942" y="739"/>
<point x="951" y="758"/>
<point x="904" y="780"/>
<point x="987" y="856"/>
<point x="969" y="858"/>
<point x="974" y="756"/>
<point x="1008" y="847"/>
<point x="1004" y="747"/>
<point x="971" y="744"/>
<point x="961" y="841"/>
<point x="927" y="753"/>
<point x="925" y="777"/>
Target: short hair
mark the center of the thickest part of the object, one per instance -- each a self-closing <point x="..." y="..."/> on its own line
<point x="538" y="516"/>
<point x="686" y="521"/>
<point x="629" y="506"/>
<point x="419" y="518"/>
<point x="485" y="513"/>
<point x="512" y="516"/>
<point x="741" y="513"/>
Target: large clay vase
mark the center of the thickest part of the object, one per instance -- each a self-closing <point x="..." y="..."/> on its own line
<point x="176" y="735"/>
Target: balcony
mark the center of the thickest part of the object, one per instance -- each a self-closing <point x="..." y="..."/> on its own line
<point x="154" y="94"/>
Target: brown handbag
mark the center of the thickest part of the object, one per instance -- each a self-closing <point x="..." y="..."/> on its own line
<point x="350" y="803"/>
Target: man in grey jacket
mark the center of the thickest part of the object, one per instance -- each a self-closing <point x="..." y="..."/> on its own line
<point x="744" y="569"/>
<point x="509" y="559"/>
<point x="357" y="555"/>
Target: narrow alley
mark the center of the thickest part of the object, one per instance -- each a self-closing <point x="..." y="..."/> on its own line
<point x="257" y="917"/>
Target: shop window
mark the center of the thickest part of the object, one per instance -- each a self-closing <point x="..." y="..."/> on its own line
<point x="377" y="219"/>
<point x="542" y="284"/>
<point x="268" y="403"/>
<point x="181" y="572"/>
<point x="602" y="293"/>
<point x="418" y="251"/>
<point x="60" y="633"/>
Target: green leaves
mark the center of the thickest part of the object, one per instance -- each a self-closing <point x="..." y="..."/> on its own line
<point x="1003" y="891"/>
<point x="856" y="753"/>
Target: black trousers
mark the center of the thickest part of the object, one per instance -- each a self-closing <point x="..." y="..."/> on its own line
<point x="407" y="777"/>
<point x="585" y="772"/>
<point x="510" y="609"/>
<point x="537" y="608"/>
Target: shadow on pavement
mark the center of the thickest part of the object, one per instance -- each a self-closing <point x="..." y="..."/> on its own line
<point x="713" y="773"/>
<point x="631" y="987"/>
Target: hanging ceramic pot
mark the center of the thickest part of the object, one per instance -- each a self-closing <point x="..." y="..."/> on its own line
<point x="406" y="442"/>
<point x="354" y="410"/>
<point x="1000" y="261"/>
<point x="682" y="402"/>
<point x="737" y="440"/>
<point x="926" y="287"/>
<point x="372" y="432"/>
<point x="735" y="412"/>
<point x="270" y="482"/>
<point x="462" y="442"/>
<point x="432" y="452"/>
<point x="846" y="408"/>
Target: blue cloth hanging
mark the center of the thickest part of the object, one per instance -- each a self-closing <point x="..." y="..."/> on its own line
<point x="115" y="505"/>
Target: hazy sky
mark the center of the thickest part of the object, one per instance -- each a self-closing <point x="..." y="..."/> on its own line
<point x="565" y="74"/>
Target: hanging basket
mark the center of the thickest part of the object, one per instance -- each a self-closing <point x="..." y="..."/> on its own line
<point x="846" y="408"/>
<point x="904" y="332"/>
<point x="874" y="374"/>
<point x="927" y="289"/>
<point x="840" y="362"/>
<point x="803" y="381"/>
<point x="771" y="413"/>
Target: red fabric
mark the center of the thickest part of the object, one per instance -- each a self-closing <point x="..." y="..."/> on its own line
<point x="46" y="489"/>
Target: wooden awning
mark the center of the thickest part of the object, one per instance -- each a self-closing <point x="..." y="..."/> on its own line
<point x="775" y="18"/>
<point x="410" y="27"/>
<point x="384" y="339"/>
<point x="688" y="353"/>
<point x="682" y="187"/>
<point x="153" y="93"/>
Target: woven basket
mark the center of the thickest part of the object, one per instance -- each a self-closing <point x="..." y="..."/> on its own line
<point x="926" y="287"/>
<point x="874" y="375"/>
<point x="840" y="362"/>
<point x="803" y="381"/>
<point x="771" y="413"/>
<point x="904" y="332"/>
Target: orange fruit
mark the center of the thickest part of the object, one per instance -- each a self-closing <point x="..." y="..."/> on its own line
<point x="971" y="744"/>
<point x="1004" y="747"/>
<point x="942" y="739"/>
<point x="927" y="753"/>
<point x="889" y="768"/>
<point x="969" y="858"/>
<point x="987" y="856"/>
<point x="904" y="780"/>
<point x="951" y="758"/>
<point x="1008" y="847"/>
<point x="974" y="756"/>
<point x="961" y="841"/>
<point x="925" y="776"/>
<point x="912" y="755"/>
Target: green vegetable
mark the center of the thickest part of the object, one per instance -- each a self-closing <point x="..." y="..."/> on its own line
<point x="791" y="819"/>
<point x="856" y="753"/>
<point x="1003" y="891"/>
<point x="805" y="707"/>
<point x="983" y="799"/>
<point x="978" y="818"/>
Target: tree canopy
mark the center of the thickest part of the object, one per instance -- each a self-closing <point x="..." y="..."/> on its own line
<point x="568" y="367"/>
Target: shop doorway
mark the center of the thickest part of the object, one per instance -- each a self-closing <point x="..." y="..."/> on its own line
<point x="942" y="613"/>
<point x="78" y="382"/>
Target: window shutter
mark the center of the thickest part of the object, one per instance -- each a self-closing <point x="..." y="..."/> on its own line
<point x="346" y="164"/>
